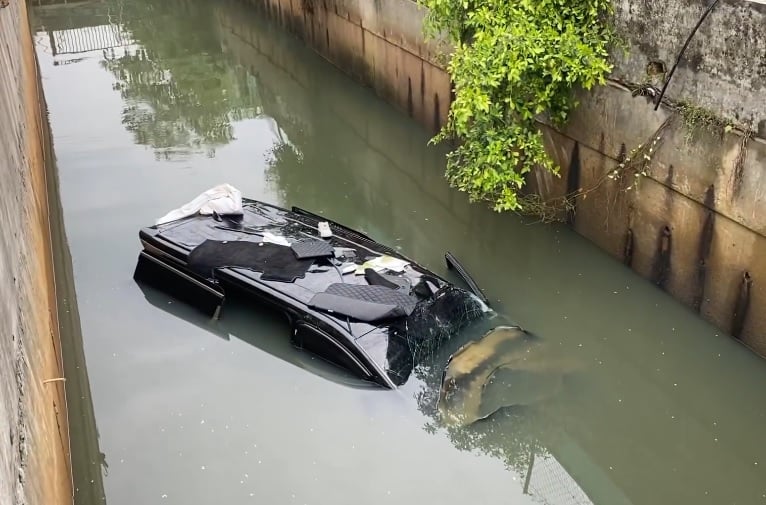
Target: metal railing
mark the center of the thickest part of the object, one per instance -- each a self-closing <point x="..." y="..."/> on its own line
<point x="92" y="38"/>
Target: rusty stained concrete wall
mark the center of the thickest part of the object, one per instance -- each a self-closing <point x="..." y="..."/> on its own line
<point x="379" y="43"/>
<point x="34" y="443"/>
<point x="693" y="226"/>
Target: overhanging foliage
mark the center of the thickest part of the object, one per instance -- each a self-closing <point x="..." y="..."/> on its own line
<point x="513" y="62"/>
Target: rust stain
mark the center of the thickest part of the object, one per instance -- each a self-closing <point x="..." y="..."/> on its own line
<point x="601" y="150"/>
<point x="739" y="316"/>
<point x="661" y="266"/>
<point x="627" y="250"/>
<point x="410" y="106"/>
<point x="623" y="153"/>
<point x="671" y="175"/>
<point x="573" y="181"/>
<point x="704" y="247"/>
<point x="422" y="83"/>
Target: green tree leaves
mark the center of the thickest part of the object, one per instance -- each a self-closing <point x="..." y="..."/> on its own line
<point x="512" y="63"/>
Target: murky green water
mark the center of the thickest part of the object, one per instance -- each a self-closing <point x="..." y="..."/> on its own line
<point x="152" y="102"/>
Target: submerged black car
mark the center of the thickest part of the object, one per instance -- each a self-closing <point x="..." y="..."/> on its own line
<point x="349" y="299"/>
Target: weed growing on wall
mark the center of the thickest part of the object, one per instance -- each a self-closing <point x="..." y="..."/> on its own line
<point x="514" y="63"/>
<point x="697" y="118"/>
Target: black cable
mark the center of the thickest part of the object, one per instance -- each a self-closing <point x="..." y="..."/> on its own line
<point x="680" y="55"/>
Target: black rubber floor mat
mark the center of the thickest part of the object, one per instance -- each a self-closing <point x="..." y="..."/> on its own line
<point x="374" y="294"/>
<point x="312" y="249"/>
<point x="276" y="262"/>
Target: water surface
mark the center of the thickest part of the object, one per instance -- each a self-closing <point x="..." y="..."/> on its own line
<point x="152" y="102"/>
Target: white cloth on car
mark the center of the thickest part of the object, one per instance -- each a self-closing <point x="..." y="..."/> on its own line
<point x="223" y="199"/>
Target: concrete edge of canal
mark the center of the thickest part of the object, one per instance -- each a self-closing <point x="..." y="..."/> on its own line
<point x="37" y="306"/>
<point x="693" y="226"/>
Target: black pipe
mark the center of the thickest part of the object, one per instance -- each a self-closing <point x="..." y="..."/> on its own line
<point x="680" y="55"/>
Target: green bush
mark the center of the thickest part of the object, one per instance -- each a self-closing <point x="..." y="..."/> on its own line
<point x="514" y="61"/>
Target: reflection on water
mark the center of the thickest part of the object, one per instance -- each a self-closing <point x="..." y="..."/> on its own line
<point x="178" y="97"/>
<point x="195" y="93"/>
<point x="238" y="319"/>
<point x="89" y="463"/>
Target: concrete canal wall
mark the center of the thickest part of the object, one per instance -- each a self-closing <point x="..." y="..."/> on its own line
<point x="693" y="225"/>
<point x="34" y="445"/>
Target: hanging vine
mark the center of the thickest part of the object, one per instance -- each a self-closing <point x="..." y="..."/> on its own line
<point x="514" y="63"/>
<point x="627" y="174"/>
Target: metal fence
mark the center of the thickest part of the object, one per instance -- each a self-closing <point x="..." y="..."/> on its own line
<point x="92" y="38"/>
